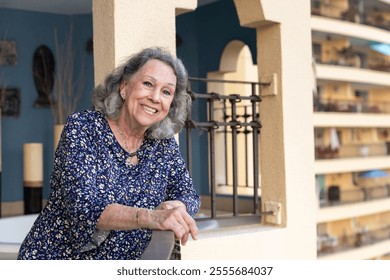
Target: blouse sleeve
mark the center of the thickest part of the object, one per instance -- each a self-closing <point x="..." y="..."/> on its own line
<point x="180" y="184"/>
<point x="76" y="160"/>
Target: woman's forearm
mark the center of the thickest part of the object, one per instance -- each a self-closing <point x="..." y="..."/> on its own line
<point x="118" y="217"/>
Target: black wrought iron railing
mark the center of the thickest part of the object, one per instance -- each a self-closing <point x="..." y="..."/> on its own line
<point x="235" y="119"/>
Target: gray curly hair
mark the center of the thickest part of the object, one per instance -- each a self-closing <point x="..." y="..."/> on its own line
<point x="106" y="97"/>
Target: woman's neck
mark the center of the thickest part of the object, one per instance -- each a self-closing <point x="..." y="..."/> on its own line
<point x="130" y="138"/>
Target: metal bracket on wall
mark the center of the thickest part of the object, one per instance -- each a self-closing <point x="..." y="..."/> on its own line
<point x="271" y="88"/>
<point x="275" y="208"/>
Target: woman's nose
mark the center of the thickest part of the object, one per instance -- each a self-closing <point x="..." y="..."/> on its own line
<point x="155" y="95"/>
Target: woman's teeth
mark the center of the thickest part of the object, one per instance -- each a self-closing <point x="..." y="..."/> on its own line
<point x="150" y="110"/>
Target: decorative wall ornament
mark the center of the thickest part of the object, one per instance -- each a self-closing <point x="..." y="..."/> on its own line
<point x="10" y="102"/>
<point x="8" y="55"/>
<point x="43" y="73"/>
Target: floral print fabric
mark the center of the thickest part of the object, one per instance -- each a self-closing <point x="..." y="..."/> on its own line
<point x="90" y="173"/>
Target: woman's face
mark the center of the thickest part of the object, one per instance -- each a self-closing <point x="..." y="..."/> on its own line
<point x="149" y="94"/>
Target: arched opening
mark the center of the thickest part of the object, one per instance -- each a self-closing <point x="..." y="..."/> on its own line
<point x="236" y="64"/>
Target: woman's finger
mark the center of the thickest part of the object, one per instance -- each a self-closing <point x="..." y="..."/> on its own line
<point x="189" y="225"/>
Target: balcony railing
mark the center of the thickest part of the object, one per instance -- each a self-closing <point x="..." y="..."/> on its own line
<point x="335" y="196"/>
<point x="332" y="244"/>
<point x="356" y="13"/>
<point x="352" y="151"/>
<point x="377" y="64"/>
<point x="350" y="106"/>
<point x="230" y="125"/>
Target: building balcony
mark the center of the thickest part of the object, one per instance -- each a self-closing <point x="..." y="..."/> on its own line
<point x="353" y="60"/>
<point x="352" y="151"/>
<point x="372" y="13"/>
<point x="357" y="76"/>
<point x="362" y="245"/>
<point x="354" y="231"/>
<point x="351" y="106"/>
<point x="336" y="196"/>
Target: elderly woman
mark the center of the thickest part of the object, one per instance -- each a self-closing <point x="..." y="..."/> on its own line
<point x="118" y="172"/>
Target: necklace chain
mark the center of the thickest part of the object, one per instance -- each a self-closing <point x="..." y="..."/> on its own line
<point x="132" y="154"/>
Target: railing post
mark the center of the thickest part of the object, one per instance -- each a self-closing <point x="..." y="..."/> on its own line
<point x="233" y="102"/>
<point x="255" y="144"/>
<point x="246" y="131"/>
<point x="212" y="159"/>
<point x="225" y="117"/>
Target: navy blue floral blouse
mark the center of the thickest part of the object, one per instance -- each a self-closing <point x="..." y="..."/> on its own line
<point x="89" y="174"/>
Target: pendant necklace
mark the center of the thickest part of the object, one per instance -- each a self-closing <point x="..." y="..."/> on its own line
<point x="131" y="155"/>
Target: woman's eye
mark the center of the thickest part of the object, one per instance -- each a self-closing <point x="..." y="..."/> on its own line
<point x="167" y="92"/>
<point x="147" y="83"/>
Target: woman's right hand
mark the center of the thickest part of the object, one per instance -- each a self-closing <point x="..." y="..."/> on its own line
<point x="176" y="219"/>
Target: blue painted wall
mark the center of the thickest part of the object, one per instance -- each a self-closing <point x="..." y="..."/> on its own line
<point x="30" y="30"/>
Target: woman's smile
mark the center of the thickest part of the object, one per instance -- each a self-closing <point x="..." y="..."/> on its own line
<point x="149" y="110"/>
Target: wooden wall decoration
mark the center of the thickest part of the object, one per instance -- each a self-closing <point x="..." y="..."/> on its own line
<point x="10" y="102"/>
<point x="8" y="55"/>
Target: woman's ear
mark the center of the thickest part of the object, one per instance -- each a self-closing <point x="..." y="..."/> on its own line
<point x="122" y="86"/>
<point x="122" y="89"/>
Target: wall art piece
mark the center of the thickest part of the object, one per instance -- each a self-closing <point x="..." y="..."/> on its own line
<point x="8" y="54"/>
<point x="10" y="102"/>
<point x="43" y="74"/>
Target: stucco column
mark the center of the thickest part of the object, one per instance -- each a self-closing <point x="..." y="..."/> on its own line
<point x="286" y="138"/>
<point x="123" y="27"/>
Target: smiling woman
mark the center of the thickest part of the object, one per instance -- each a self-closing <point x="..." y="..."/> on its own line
<point x="118" y="172"/>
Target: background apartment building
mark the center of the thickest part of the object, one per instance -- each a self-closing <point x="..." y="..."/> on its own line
<point x="351" y="50"/>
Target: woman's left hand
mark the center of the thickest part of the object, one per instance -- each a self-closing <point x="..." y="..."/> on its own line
<point x="170" y="215"/>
